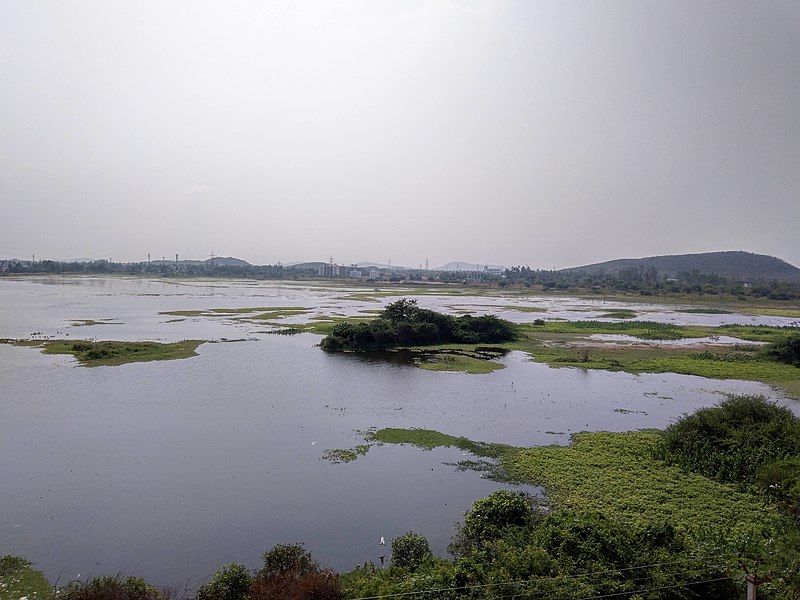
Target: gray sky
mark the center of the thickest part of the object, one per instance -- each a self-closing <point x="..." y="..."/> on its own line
<point x="543" y="133"/>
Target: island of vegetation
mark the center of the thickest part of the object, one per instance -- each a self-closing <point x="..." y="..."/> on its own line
<point x="112" y="353"/>
<point x="436" y="341"/>
<point x="652" y="515"/>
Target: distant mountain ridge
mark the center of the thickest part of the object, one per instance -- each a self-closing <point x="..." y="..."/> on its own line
<point x="735" y="264"/>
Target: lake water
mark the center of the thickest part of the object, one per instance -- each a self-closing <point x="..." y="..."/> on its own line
<point x="170" y="469"/>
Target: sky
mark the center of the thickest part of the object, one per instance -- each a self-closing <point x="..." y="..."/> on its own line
<point x="541" y="133"/>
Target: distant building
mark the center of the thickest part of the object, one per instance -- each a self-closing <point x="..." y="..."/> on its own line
<point x="374" y="273"/>
<point x="355" y="273"/>
<point x="493" y="270"/>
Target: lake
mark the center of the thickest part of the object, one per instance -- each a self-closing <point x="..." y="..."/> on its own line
<point x="167" y="470"/>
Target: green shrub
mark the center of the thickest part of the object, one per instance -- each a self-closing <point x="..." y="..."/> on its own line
<point x="230" y="582"/>
<point x="291" y="559"/>
<point x="489" y="518"/>
<point x="785" y="350"/>
<point x="113" y="588"/>
<point x="410" y="550"/>
<point x="780" y="480"/>
<point x="734" y="440"/>
<point x="403" y="323"/>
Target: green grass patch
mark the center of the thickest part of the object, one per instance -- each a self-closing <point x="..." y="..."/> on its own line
<point x="619" y="313"/>
<point x="345" y="455"/>
<point x="19" y="579"/>
<point x="113" y="353"/>
<point x="710" y="310"/>
<point x="618" y="475"/>
<point x="458" y="363"/>
<point x="89" y="322"/>
<point x="266" y="312"/>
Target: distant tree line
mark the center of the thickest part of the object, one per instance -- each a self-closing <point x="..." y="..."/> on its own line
<point x="649" y="281"/>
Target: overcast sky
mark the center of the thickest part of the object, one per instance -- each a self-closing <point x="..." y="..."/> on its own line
<point x="542" y="133"/>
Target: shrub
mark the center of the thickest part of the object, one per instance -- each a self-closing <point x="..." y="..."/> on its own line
<point x="287" y="559"/>
<point x="317" y="585"/>
<point x="410" y="550"/>
<point x="113" y="588"/>
<point x="403" y="323"/>
<point x="780" y="480"/>
<point x="490" y="517"/>
<point x="785" y="350"/>
<point x="230" y="582"/>
<point x="734" y="440"/>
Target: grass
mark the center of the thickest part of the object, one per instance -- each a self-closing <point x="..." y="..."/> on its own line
<point x="113" y="353"/>
<point x="619" y="313"/>
<point x="18" y="579"/>
<point x="266" y="312"/>
<point x="744" y="364"/>
<point x="459" y="363"/>
<point x="345" y="455"/>
<point x="89" y="322"/>
<point x="618" y="475"/>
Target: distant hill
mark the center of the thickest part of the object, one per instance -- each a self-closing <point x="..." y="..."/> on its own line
<point x="463" y="266"/>
<point x="735" y="265"/>
<point x="227" y="261"/>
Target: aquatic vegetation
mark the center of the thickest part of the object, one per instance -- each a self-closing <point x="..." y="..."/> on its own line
<point x="89" y="322"/>
<point x="345" y="455"/>
<point x="457" y="362"/>
<point x="18" y="579"/>
<point x="619" y="313"/>
<point x="111" y="353"/>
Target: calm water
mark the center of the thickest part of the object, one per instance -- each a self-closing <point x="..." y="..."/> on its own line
<point x="170" y="469"/>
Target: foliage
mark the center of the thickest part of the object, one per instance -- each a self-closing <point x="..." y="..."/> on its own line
<point x="19" y="579"/>
<point x="489" y="518"/>
<point x="786" y="350"/>
<point x="290" y="573"/>
<point x="230" y="582"/>
<point x="315" y="585"/>
<point x="403" y="323"/>
<point x="112" y="353"/>
<point x="287" y="559"/>
<point x="113" y="588"/>
<point x="733" y="441"/>
<point x="780" y="480"/>
<point x="410" y="550"/>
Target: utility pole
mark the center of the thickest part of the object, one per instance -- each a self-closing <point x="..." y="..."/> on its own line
<point x="754" y="580"/>
<point x="176" y="259"/>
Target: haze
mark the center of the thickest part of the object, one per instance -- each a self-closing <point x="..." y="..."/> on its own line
<point x="542" y="133"/>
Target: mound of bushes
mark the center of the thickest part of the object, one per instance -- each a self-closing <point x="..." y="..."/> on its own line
<point x="785" y="350"/>
<point x="734" y="440"/>
<point x="403" y="323"/>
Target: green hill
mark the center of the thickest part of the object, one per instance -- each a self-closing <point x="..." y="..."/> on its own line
<point x="735" y="265"/>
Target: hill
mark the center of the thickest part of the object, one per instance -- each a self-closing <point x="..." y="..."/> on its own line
<point x="227" y="261"/>
<point x="736" y="265"/>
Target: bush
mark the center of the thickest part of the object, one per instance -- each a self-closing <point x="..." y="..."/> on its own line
<point x="230" y="582"/>
<point x="780" y="480"/>
<point x="490" y="517"/>
<point x="113" y="588"/>
<point x="410" y="550"/>
<point x="403" y="323"/>
<point x="287" y="559"/>
<point x="733" y="441"/>
<point x="289" y="573"/>
<point x="318" y="585"/>
<point x="785" y="350"/>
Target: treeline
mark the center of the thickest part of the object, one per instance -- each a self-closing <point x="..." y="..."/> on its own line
<point x="648" y="281"/>
<point x="403" y="323"/>
<point x="159" y="268"/>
